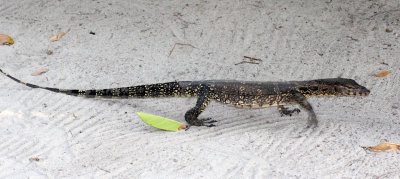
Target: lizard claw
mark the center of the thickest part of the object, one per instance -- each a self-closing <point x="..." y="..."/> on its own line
<point x="210" y="125"/>
<point x="202" y="122"/>
<point x="207" y="125"/>
<point x="208" y="122"/>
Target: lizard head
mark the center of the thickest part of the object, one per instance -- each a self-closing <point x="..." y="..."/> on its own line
<point x="337" y="87"/>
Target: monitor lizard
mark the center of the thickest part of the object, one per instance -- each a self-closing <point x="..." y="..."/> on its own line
<point x="240" y="94"/>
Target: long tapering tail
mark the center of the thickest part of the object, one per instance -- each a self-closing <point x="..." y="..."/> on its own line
<point x="28" y="84"/>
<point x="142" y="91"/>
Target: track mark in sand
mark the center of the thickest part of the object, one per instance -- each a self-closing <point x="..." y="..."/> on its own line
<point x="31" y="151"/>
<point x="232" y="171"/>
<point x="85" y="125"/>
<point x="21" y="148"/>
<point x="231" y="163"/>
<point x="351" y="160"/>
<point x="23" y="96"/>
<point x="62" y="103"/>
<point x="61" y="117"/>
<point x="8" y="148"/>
<point x="242" y="169"/>
<point x="82" y="129"/>
<point x="267" y="151"/>
<point x="285" y="147"/>
<point x="28" y="142"/>
<point x="95" y="130"/>
<point x="8" y="9"/>
<point x="305" y="139"/>
<point x="300" y="148"/>
<point x="6" y="141"/>
<point x="249" y="168"/>
<point x="105" y="132"/>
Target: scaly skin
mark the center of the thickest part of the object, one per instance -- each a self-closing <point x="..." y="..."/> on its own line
<point x="240" y="94"/>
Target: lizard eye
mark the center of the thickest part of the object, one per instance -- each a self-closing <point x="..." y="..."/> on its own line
<point x="349" y="86"/>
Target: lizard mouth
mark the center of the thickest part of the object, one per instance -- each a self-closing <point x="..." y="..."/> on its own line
<point x="362" y="92"/>
<point x="356" y="92"/>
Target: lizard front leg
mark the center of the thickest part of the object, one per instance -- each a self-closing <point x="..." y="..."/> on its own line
<point x="191" y="116"/>
<point x="312" y="118"/>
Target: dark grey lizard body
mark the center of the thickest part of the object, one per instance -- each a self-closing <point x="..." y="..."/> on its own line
<point x="241" y="94"/>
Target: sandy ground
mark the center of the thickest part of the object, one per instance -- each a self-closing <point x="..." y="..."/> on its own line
<point x="132" y="42"/>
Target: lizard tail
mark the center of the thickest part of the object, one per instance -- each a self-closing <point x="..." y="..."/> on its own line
<point x="28" y="84"/>
<point x="142" y="91"/>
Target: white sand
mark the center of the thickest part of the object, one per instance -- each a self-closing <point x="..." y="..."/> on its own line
<point x="297" y="40"/>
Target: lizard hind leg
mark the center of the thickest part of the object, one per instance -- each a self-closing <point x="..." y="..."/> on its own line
<point x="191" y="116"/>
<point x="285" y="111"/>
<point x="312" y="118"/>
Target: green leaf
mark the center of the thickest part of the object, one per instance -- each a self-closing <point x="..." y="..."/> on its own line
<point x="161" y="122"/>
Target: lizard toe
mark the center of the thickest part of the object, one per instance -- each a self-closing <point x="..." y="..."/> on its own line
<point x="210" y="125"/>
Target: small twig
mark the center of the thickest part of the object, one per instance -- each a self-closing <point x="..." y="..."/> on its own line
<point x="170" y="52"/>
<point x="34" y="159"/>
<point x="383" y="63"/>
<point x="246" y="62"/>
<point x="252" y="58"/>
<point x="104" y="170"/>
<point x="144" y="30"/>
<point x="351" y="38"/>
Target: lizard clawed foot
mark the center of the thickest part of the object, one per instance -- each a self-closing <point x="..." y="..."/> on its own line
<point x="285" y="111"/>
<point x="208" y="122"/>
<point x="201" y="122"/>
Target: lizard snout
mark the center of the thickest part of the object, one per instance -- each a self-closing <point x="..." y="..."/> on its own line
<point x="362" y="92"/>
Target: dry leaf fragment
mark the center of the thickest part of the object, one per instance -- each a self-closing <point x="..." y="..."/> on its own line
<point x="252" y="58"/>
<point x="34" y="159"/>
<point x="39" y="72"/>
<point x="57" y="37"/>
<point x="385" y="146"/>
<point x="75" y="116"/>
<point x="6" y="40"/>
<point x="383" y="73"/>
